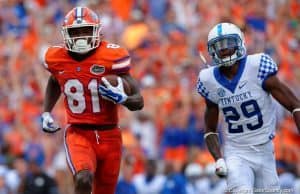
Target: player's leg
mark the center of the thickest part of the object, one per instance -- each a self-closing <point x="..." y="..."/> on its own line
<point x="83" y="181"/>
<point x="81" y="159"/>
<point x="240" y="178"/>
<point x="109" y="153"/>
<point x="266" y="178"/>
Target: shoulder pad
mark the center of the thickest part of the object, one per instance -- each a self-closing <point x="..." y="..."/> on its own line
<point x="51" y="54"/>
<point x="203" y="78"/>
<point x="267" y="67"/>
<point x="117" y="55"/>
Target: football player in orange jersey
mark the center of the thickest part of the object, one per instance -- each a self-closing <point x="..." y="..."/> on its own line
<point x="92" y="138"/>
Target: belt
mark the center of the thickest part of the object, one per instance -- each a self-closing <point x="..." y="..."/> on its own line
<point x="94" y="127"/>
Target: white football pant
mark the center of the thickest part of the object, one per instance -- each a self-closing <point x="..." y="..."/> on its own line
<point x="251" y="169"/>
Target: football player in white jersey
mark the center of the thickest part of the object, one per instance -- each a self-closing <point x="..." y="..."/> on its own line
<point x="241" y="86"/>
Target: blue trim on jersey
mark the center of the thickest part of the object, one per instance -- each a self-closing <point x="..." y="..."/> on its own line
<point x="219" y="29"/>
<point x="230" y="84"/>
<point x="267" y="68"/>
<point x="205" y="97"/>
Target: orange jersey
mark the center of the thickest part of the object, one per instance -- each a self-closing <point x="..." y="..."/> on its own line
<point x="79" y="81"/>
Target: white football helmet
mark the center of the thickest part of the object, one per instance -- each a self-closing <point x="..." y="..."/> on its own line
<point x="226" y="44"/>
<point x="81" y="30"/>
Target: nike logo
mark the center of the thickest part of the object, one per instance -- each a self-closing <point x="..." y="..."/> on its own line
<point x="114" y="97"/>
<point x="109" y="94"/>
<point x="61" y="72"/>
<point x="242" y="84"/>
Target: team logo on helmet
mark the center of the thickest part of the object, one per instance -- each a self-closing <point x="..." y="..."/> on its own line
<point x="97" y="69"/>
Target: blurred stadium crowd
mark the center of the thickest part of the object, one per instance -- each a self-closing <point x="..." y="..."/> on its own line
<point x="164" y="150"/>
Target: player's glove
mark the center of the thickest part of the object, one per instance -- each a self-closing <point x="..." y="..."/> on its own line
<point x="48" y="123"/>
<point x="115" y="94"/>
<point x="221" y="168"/>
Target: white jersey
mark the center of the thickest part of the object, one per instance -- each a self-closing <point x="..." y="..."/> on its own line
<point x="247" y="108"/>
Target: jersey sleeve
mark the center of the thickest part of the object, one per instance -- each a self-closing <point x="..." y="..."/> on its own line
<point x="201" y="89"/>
<point x="49" y="58"/>
<point x="121" y="61"/>
<point x="203" y="86"/>
<point x="267" y="68"/>
<point x="44" y="55"/>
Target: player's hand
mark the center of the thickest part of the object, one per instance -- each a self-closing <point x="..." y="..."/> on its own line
<point x="221" y="168"/>
<point x="115" y="94"/>
<point x="48" y="123"/>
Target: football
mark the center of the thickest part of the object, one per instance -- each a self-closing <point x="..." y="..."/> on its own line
<point x="112" y="79"/>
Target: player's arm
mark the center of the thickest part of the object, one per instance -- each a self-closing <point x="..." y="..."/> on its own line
<point x="117" y="94"/>
<point x="211" y="117"/>
<point x="135" y="100"/>
<point x="284" y="96"/>
<point x="52" y="95"/>
<point x="212" y="138"/>
<point x="211" y="135"/>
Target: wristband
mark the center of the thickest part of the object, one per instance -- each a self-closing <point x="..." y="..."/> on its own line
<point x="210" y="133"/>
<point x="296" y="110"/>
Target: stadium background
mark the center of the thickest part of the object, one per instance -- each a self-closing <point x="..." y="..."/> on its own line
<point x="164" y="38"/>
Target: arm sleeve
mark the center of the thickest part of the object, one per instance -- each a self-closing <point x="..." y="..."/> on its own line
<point x="267" y="68"/>
<point x="43" y="57"/>
<point x="201" y="89"/>
<point x="121" y="62"/>
<point x="121" y="65"/>
<point x="204" y="88"/>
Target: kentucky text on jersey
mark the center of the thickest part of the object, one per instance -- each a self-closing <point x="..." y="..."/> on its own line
<point x="247" y="107"/>
<point x="236" y="98"/>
